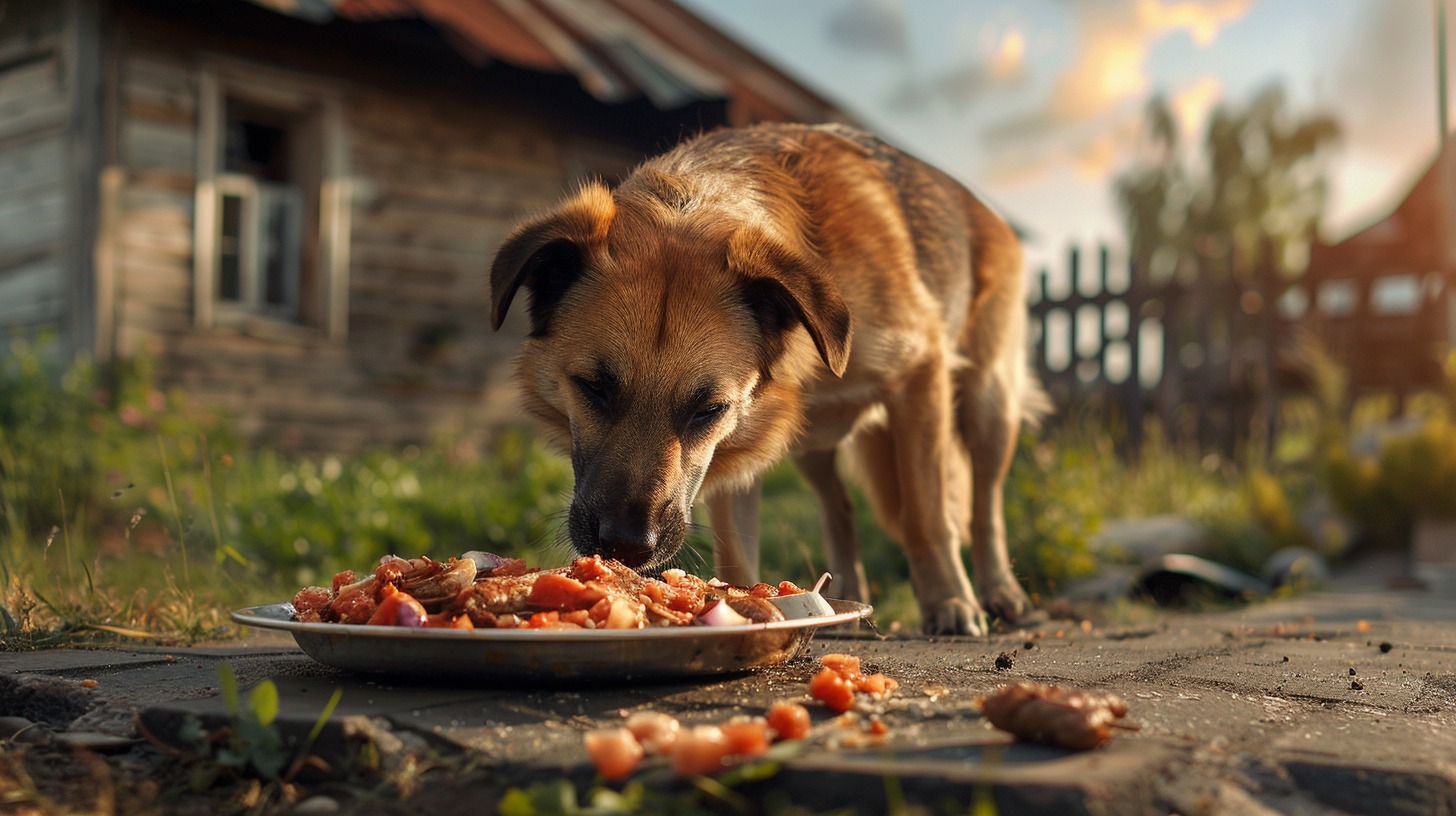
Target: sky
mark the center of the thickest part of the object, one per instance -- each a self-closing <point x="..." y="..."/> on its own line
<point x="1037" y="104"/>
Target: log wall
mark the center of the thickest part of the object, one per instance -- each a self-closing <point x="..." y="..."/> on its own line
<point x="437" y="182"/>
<point x="34" y="114"/>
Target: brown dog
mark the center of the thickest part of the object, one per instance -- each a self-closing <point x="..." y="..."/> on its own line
<point x="781" y="290"/>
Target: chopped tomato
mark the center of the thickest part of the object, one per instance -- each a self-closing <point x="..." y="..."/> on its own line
<point x="579" y="617"/>
<point x="700" y="750"/>
<point x="747" y="736"/>
<point x="551" y="591"/>
<point x="847" y="665"/>
<point x="397" y="608"/>
<point x="763" y="591"/>
<point x="614" y="751"/>
<point x="790" y="720"/>
<point x="311" y="600"/>
<point x="833" y="689"/>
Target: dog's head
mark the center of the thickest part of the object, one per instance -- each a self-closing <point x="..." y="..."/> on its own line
<point x="666" y="345"/>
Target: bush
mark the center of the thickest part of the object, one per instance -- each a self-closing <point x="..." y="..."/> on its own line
<point x="74" y="442"/>
<point x="1409" y="473"/>
<point x="116" y="468"/>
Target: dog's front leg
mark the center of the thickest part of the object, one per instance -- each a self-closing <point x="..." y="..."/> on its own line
<point x="734" y="514"/>
<point x="836" y="514"/>
<point x="921" y="422"/>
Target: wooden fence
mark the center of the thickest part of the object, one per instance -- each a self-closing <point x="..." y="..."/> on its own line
<point x="1209" y="355"/>
<point x="1196" y="352"/>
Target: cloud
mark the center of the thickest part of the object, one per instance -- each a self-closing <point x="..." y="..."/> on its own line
<point x="1107" y="81"/>
<point x="968" y="81"/>
<point x="1192" y="104"/>
<point x="875" y="26"/>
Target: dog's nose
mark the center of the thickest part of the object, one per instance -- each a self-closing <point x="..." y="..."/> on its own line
<point x="626" y="535"/>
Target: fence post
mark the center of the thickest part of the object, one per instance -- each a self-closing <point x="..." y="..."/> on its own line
<point x="1132" y="390"/>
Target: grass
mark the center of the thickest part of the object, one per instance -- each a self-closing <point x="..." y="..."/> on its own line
<point x="128" y="511"/>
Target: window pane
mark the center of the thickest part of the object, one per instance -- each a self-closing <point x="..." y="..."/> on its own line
<point x="276" y="260"/>
<point x="1338" y="298"/>
<point x="229" y="249"/>
<point x="1396" y="295"/>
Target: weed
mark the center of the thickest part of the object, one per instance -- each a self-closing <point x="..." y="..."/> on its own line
<point x="250" y="744"/>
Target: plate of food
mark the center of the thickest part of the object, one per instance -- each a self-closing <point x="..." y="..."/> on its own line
<point x="480" y="616"/>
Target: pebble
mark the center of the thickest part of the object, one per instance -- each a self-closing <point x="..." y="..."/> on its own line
<point x="316" y="806"/>
<point x="22" y="730"/>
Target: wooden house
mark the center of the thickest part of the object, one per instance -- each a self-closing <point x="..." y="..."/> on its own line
<point x="1383" y="300"/>
<point x="293" y="204"/>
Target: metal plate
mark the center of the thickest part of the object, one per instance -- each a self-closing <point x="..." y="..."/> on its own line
<point x="551" y="654"/>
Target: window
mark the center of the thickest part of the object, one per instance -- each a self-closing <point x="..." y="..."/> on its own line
<point x="1338" y="298"/>
<point x="1396" y="295"/>
<point x="272" y="204"/>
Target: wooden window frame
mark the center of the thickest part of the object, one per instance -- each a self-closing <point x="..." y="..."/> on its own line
<point x="322" y="304"/>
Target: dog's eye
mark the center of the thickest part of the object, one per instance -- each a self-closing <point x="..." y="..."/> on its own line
<point x="709" y="414"/>
<point x="594" y="392"/>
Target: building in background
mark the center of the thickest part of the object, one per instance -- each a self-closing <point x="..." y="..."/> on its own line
<point x="293" y="204"/>
<point x="1383" y="300"/>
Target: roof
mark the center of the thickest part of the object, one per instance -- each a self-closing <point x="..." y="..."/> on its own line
<point x="1411" y="237"/>
<point x="618" y="50"/>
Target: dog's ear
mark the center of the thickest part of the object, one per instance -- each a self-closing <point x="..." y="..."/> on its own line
<point x="546" y="254"/>
<point x="783" y="287"/>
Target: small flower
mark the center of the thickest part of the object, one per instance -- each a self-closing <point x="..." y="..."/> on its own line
<point x="130" y="416"/>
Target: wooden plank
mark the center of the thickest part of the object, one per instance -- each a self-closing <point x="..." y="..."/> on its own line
<point x="139" y="198"/>
<point x="43" y="118"/>
<point x="153" y="319"/>
<point x="113" y="179"/>
<point x="150" y="236"/>
<point x="181" y="182"/>
<point x="29" y="24"/>
<point x="32" y="293"/>
<point x="148" y="144"/>
<point x="28" y="167"/>
<point x="84" y="147"/>
<point x="38" y="218"/>
<point x="23" y="83"/>
<point x="152" y="81"/>
<point x="383" y="259"/>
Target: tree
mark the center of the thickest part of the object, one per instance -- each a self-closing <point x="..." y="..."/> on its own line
<point x="1229" y="230"/>
<point x="1262" y="181"/>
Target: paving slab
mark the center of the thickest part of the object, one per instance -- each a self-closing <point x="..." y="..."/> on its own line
<point x="1328" y="702"/>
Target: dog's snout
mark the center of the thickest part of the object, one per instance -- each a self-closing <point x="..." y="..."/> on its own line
<point x="627" y="534"/>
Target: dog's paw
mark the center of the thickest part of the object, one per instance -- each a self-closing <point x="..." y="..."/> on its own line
<point x="1005" y="600"/>
<point x="953" y="616"/>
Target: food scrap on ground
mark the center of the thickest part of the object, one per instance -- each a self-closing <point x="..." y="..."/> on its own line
<point x="1056" y="715"/>
<point x="838" y="682"/>
<point x="700" y="750"/>
<point x="485" y="591"/>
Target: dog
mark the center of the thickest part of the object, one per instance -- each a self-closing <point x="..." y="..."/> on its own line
<point x="776" y="291"/>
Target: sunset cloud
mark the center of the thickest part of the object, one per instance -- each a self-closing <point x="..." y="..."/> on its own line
<point x="1191" y="106"/>
<point x="968" y="81"/>
<point x="1103" y="89"/>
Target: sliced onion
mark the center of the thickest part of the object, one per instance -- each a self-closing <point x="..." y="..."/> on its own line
<point x="485" y="561"/>
<point x="721" y="614"/>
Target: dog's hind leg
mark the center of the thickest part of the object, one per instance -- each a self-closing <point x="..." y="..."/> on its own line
<point x="734" y="514"/>
<point x="990" y="418"/>
<point x="836" y="512"/>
